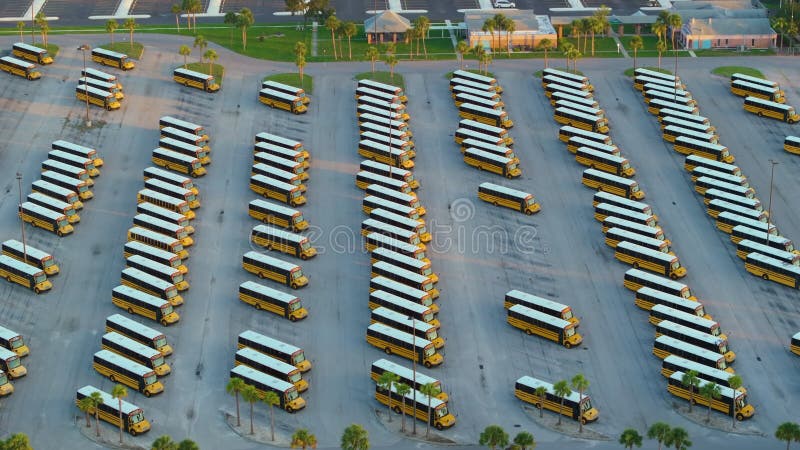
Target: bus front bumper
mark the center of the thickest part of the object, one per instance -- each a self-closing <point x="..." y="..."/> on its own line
<point x="171" y="318"/>
<point x="98" y="162"/>
<point x="190" y="214"/>
<point x="6" y="389"/>
<point x="154" y="389"/>
<point x="300" y="314"/>
<point x="94" y="173"/>
<point x="296" y="404"/>
<point x="194" y="204"/>
<point x="300" y="226"/>
<point x="183" y="254"/>
<point x="183" y="269"/>
<point x="182" y="286"/>
<point x="638" y="195"/>
<point x="434" y="360"/>
<point x="425" y="237"/>
<point x="166" y="350"/>
<point x="22" y="351"/>
<point x="434" y="278"/>
<point x="434" y="293"/>
<point x="748" y="411"/>
<point x="438" y="343"/>
<point x="730" y="357"/>
<point x="574" y="341"/>
<point x="187" y="242"/>
<point x="163" y="370"/>
<point x="534" y="208"/>
<point x="300" y="282"/>
<point x="176" y="301"/>
<point x="78" y="205"/>
<point x="141" y="427"/>
<point x="301" y="386"/>
<point x="199" y="172"/>
<point x="304" y="366"/>
<point x="74" y="218"/>
<point x="51" y="270"/>
<point x="17" y="372"/>
<point x="46" y="286"/>
<point x="679" y="273"/>
<point x="591" y="415"/>
<point x="408" y="165"/>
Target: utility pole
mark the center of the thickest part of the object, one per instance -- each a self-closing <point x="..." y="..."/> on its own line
<point x="769" y="205"/>
<point x="414" y="374"/>
<point x="83" y="49"/>
<point x="22" y="222"/>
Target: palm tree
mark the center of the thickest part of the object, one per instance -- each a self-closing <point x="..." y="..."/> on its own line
<point x="734" y="382"/>
<point x="402" y="389"/>
<point x="295" y="6"/>
<point x="690" y="380"/>
<point x="355" y="437"/>
<point x="486" y="59"/>
<point x="545" y="44"/>
<point x="561" y="388"/>
<point x="600" y="22"/>
<point x="499" y="25"/>
<point x="188" y="444"/>
<point x="580" y="384"/>
<point x="41" y="21"/>
<point x="629" y="438"/>
<point x="18" y="441"/>
<point x="176" y="9"/>
<point x="234" y="386"/>
<point x="541" y="392"/>
<point x="97" y="400"/>
<point x="679" y="438"/>
<point x="710" y="391"/>
<point x="510" y="27"/>
<point x="778" y="24"/>
<point x="20" y="28"/>
<point x="271" y="399"/>
<point x="478" y="51"/>
<point x="164" y="442"/>
<point x="424" y="25"/>
<point x="661" y="47"/>
<point x="577" y="30"/>
<point x="303" y="438"/>
<point x="493" y="436"/>
<point x="524" y="441"/>
<point x="130" y="25"/>
<point x="372" y="54"/>
<point x="636" y="43"/>
<point x="250" y="395"/>
<point x="660" y="30"/>
<point x="300" y="48"/>
<point x="788" y="431"/>
<point x="230" y="19"/>
<point x="429" y="390"/>
<point x="461" y="48"/>
<point x="86" y="404"/>
<point x="588" y="27"/>
<point x="211" y="56"/>
<point x="412" y="35"/>
<point x="200" y="41"/>
<point x="119" y="392"/>
<point x="675" y="22"/>
<point x="349" y="29"/>
<point x="659" y="432"/>
<point x="574" y="54"/>
<point x="244" y="20"/>
<point x="111" y="27"/>
<point x="488" y="27"/>
<point x="195" y="7"/>
<point x="332" y="23"/>
<point x="300" y="62"/>
<point x="185" y="51"/>
<point x="388" y="379"/>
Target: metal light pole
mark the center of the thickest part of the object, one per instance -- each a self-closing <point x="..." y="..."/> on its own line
<point x="769" y="205"/>
<point x="22" y="222"/>
<point x="414" y="376"/>
<point x="83" y="49"/>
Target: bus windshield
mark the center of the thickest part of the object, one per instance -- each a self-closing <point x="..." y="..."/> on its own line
<point x="586" y="405"/>
<point x="40" y="278"/>
<point x="158" y="361"/>
<point x="415" y="241"/>
<point x="171" y="293"/>
<point x="166" y="310"/>
<point x="151" y="379"/>
<point x="297" y="274"/>
<point x="429" y="351"/>
<point x="136" y="418"/>
<point x="177" y="248"/>
<point x="294" y="306"/>
<point x="427" y="272"/>
<point x="191" y="197"/>
<point x="12" y="363"/>
<point x="298" y="219"/>
<point x="428" y="317"/>
<point x="196" y="165"/>
<point x="49" y="262"/>
<point x="441" y="412"/>
<point x="296" y="194"/>
<point x="298" y="358"/>
<point x="294" y="378"/>
<point x="16" y="343"/>
<point x="291" y="395"/>
<point x="177" y="278"/>
<point x="431" y="335"/>
<point x="626" y="165"/>
<point x="567" y="315"/>
<point x="62" y="223"/>
<point x="701" y="312"/>
<point x="569" y="332"/>
<point x="723" y="347"/>
<point x="305" y="245"/>
<point x="531" y="201"/>
<point x="427" y="286"/>
<point x="740" y="403"/>
<point x="635" y="187"/>
<point x="512" y="166"/>
<point x="159" y="343"/>
<point x="675" y="265"/>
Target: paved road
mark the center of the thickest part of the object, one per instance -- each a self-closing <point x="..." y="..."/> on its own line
<point x="479" y="253"/>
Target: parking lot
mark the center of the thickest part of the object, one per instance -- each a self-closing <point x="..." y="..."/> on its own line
<point x="478" y="251"/>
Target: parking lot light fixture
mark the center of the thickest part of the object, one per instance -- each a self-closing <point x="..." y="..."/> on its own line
<point x="83" y="49"/>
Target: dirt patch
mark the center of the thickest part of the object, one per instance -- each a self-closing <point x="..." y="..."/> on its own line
<point x="396" y="424"/>
<point x="262" y="434"/>
<point x="718" y="421"/>
<point x="568" y="426"/>
<point x="107" y="439"/>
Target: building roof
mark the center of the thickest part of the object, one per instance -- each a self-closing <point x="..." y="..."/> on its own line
<point x="524" y="19"/>
<point x="728" y="27"/>
<point x="388" y="22"/>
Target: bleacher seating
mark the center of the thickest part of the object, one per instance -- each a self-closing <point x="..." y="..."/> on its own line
<point x="14" y="8"/>
<point x="152" y="7"/>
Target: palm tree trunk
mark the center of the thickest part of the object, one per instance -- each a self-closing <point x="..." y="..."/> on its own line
<point x="580" y="393"/>
<point x="545" y="58"/>
<point x="708" y="416"/>
<point x="634" y="59"/>
<point x="119" y="400"/>
<point x="251" y="418"/>
<point x="333" y="44"/>
<point x="88" y="423"/>
<point x="131" y="39"/>
<point x="188" y="21"/>
<point x="97" y="420"/>
<point x="560" y="407"/>
<point x="272" y="421"/>
<point x="691" y="399"/>
<point x="349" y="48"/>
<point x="424" y="46"/>
<point x="592" y="42"/>
<point x="177" y="23"/>
<point x="428" y="427"/>
<point x="185" y="62"/>
<point x="238" y="417"/>
<point x="244" y="39"/>
<point x="403" y="419"/>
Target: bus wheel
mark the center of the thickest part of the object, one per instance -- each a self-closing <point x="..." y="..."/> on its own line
<point x="36" y="290"/>
<point x="59" y="233"/>
<point x="396" y="409"/>
<point x="427" y="364"/>
<point x="260" y="275"/>
<point x="583" y="420"/>
<point x="132" y="432"/>
<point x="303" y="257"/>
<point x="636" y="265"/>
<point x="257" y="307"/>
<point x="163" y="322"/>
<point x="528" y="212"/>
<point x="294" y="286"/>
<point x="760" y="114"/>
<point x="739" y="417"/>
<point x="765" y="276"/>
<point x="292" y="319"/>
<point x="147" y="394"/>
<point x="130" y="310"/>
<point x="567" y="345"/>
<point x="509" y="176"/>
<point x="439" y="426"/>
<point x="494" y="203"/>
<point x="112" y="378"/>
<point x="528" y="332"/>
<point x="289" y="409"/>
<point x="387" y="350"/>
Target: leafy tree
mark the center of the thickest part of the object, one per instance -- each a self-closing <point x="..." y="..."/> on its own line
<point x="710" y="391"/>
<point x="111" y="27"/>
<point x="658" y="431"/>
<point x="176" y="9"/>
<point x="185" y="51"/>
<point x="18" y="441"/>
<point x="494" y="436"/>
<point x="200" y="41"/>
<point x="86" y="404"/>
<point x="20" y="28"/>
<point x="486" y="59"/>
<point x="788" y="431"/>
<point x="675" y="23"/>
<point x="303" y="438"/>
<point x="499" y="25"/>
<point x="577" y="27"/>
<point x="250" y="395"/>
<point x="636" y="44"/>
<point x="402" y="389"/>
<point x="234" y="387"/>
<point x="164" y="442"/>
<point x="130" y="25"/>
<point x="524" y="441"/>
<point x="600" y="22"/>
<point x="423" y="24"/>
<point x="580" y="384"/>
<point x="271" y="399"/>
<point x="244" y="20"/>
<point x="188" y="444"/>
<point x="488" y="27"/>
<point x="735" y="382"/>
<point x="573" y="54"/>
<point x="629" y="438"/>
<point x="372" y="54"/>
<point x="97" y="400"/>
<point x="44" y="27"/>
<point x="231" y="19"/>
<point x="679" y="438"/>
<point x="461" y="48"/>
<point x="412" y="34"/>
<point x="510" y="27"/>
<point x="295" y="6"/>
<point x="119" y="392"/>
<point x="192" y="7"/>
<point x="332" y="23"/>
<point x="300" y="48"/>
<point x="430" y="390"/>
<point x="660" y="30"/>
<point x="211" y="55"/>
<point x="355" y="437"/>
<point x="778" y="23"/>
<point x="545" y="44"/>
<point x="300" y="62"/>
<point x="388" y="379"/>
<point x="479" y="51"/>
<point x="661" y="47"/>
<point x="561" y="388"/>
<point x="690" y="380"/>
<point x="349" y="29"/>
<point x="541" y="392"/>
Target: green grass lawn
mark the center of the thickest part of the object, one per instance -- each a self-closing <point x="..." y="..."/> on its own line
<point x="604" y="47"/>
<point x="727" y="71"/>
<point x="52" y="49"/>
<point x="629" y="72"/>
<point x="383" y="77"/>
<point x="726" y="52"/>
<point x="133" y="51"/>
<point x="293" y="79"/>
<point x="217" y="70"/>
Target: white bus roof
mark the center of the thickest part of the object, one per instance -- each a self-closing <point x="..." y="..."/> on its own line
<point x="108" y="400"/>
<point x="130" y="344"/>
<point x="374" y="236"/>
<point x="133" y="325"/>
<point x="267" y="341"/>
<point x="268" y="291"/>
<point x="279" y="233"/>
<point x="147" y="278"/>
<point x="540" y="316"/>
<point x="250" y="374"/>
<point x="193" y="73"/>
<point x="404" y="372"/>
<point x="33" y="252"/>
<point x="41" y="210"/>
<point x="124" y="362"/>
<point x="655" y="254"/>
<point x="408" y="338"/>
<point x="268" y="361"/>
<point x="271" y="261"/>
<point x="504" y="189"/>
<point x="534" y="383"/>
<point x="273" y="182"/>
<point x="397" y="286"/>
<point x="491" y="156"/>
